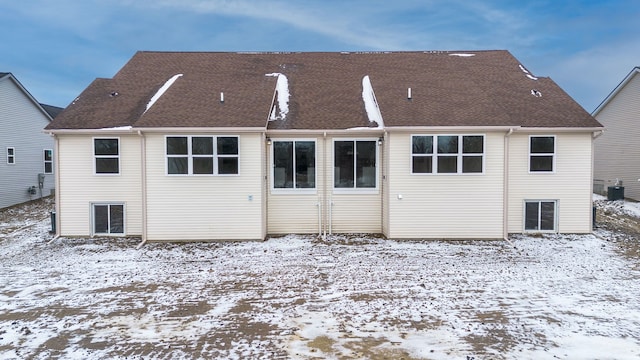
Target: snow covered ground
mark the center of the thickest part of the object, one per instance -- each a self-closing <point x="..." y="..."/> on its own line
<point x="298" y="297"/>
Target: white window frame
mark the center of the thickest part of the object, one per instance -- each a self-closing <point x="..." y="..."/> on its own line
<point x="459" y="155"/>
<point x="95" y="157"/>
<point x="190" y="156"/>
<point x="355" y="190"/>
<point x="45" y="161"/>
<point x="11" y="158"/>
<point x="109" y="204"/>
<point x="553" y="155"/>
<point x="293" y="190"/>
<point x="555" y="215"/>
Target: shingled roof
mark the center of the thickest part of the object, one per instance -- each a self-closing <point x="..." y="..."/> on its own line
<point x="324" y="91"/>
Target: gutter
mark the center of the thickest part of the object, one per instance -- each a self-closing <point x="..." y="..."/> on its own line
<point x="170" y="130"/>
<point x="143" y="180"/>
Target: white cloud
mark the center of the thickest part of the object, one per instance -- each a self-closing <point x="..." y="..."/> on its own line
<point x="591" y="74"/>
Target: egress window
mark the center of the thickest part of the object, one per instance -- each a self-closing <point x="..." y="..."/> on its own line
<point x="202" y="155"/>
<point x="540" y="216"/>
<point x="294" y="164"/>
<point x="542" y="152"/>
<point x="106" y="153"/>
<point x="447" y="154"/>
<point x="108" y="219"/>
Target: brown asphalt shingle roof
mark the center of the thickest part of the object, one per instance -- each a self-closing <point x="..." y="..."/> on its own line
<point x="486" y="89"/>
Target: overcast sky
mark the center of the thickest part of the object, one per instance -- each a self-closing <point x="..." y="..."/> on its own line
<point x="55" y="48"/>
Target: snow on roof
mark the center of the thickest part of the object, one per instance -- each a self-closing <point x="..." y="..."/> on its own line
<point x="117" y="128"/>
<point x="462" y="55"/>
<point x="527" y="73"/>
<point x="370" y="102"/>
<point x="282" y="89"/>
<point x="161" y="91"/>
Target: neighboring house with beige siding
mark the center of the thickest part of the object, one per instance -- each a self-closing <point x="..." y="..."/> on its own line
<point x="617" y="151"/>
<point x="26" y="159"/>
<point x="225" y="146"/>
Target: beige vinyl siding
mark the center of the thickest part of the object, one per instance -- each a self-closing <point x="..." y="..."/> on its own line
<point x="79" y="186"/>
<point x="341" y="211"/>
<point x="356" y="213"/>
<point x="617" y="150"/>
<point x="292" y="210"/>
<point x="458" y="206"/>
<point x="384" y="181"/>
<point x="569" y="184"/>
<point x="357" y="210"/>
<point x="296" y="214"/>
<point x="208" y="207"/>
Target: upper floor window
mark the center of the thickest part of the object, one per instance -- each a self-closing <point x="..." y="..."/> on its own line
<point x="447" y="154"/>
<point x="202" y="155"/>
<point x="541" y="153"/>
<point x="11" y="155"/>
<point x="294" y="164"/>
<point x="106" y="152"/>
<point x="48" y="161"/>
<point x="355" y="164"/>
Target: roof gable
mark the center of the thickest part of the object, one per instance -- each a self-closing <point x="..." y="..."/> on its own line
<point x="49" y="111"/>
<point x="634" y="72"/>
<point x="324" y="91"/>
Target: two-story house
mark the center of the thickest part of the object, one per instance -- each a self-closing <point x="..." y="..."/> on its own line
<point x="213" y="146"/>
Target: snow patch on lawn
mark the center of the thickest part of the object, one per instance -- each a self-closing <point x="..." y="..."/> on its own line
<point x="564" y="296"/>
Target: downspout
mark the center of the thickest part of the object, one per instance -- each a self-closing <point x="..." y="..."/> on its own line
<point x="324" y="182"/>
<point x="56" y="167"/>
<point x="265" y="185"/>
<point x="143" y="179"/>
<point x="382" y="180"/>
<point x="594" y="136"/>
<point x="505" y="191"/>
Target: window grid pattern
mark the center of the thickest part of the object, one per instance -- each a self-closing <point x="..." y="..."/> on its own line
<point x="447" y="154"/>
<point x="202" y="155"/>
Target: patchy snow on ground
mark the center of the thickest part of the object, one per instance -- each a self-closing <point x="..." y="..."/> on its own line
<point x="300" y="297"/>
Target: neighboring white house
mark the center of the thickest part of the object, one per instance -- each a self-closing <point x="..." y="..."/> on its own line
<point x="26" y="161"/>
<point x="214" y="146"/>
<point x="617" y="151"/>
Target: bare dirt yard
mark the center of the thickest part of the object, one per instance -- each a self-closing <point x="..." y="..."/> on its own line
<point x="301" y="297"/>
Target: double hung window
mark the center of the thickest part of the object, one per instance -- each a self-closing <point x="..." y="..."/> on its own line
<point x="540" y="215"/>
<point x="541" y="153"/>
<point x="202" y="155"/>
<point x="108" y="219"/>
<point x="106" y="152"/>
<point x="48" y="161"/>
<point x="294" y="164"/>
<point x="11" y="155"/>
<point x="355" y="164"/>
<point x="447" y="154"/>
